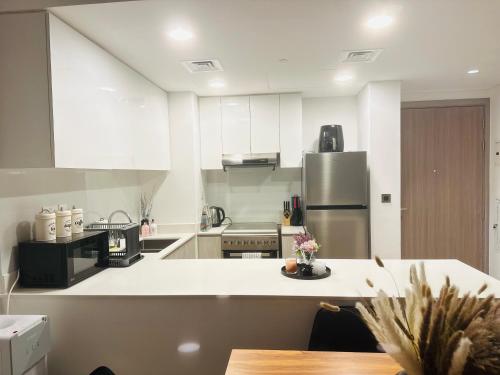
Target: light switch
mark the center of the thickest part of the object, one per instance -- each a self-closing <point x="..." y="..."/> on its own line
<point x="386" y="198"/>
<point x="497" y="153"/>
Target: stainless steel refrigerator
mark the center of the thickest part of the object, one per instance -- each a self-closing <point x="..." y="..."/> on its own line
<point x="335" y="191"/>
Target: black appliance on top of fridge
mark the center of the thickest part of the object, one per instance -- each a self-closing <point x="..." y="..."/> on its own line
<point x="331" y="139"/>
<point x="335" y="190"/>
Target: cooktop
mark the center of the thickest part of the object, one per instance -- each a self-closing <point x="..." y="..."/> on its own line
<point x="252" y="228"/>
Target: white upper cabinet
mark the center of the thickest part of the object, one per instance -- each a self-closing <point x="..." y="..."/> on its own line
<point x="235" y="125"/>
<point x="251" y="124"/>
<point x="210" y="132"/>
<point x="291" y="145"/>
<point x="98" y="113"/>
<point x="265" y="123"/>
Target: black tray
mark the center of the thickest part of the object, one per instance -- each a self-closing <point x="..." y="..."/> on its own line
<point x="299" y="276"/>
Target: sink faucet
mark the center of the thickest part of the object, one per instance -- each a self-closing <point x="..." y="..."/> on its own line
<point x="119" y="212"/>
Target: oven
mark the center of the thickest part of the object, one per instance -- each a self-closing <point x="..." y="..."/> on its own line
<point x="250" y="240"/>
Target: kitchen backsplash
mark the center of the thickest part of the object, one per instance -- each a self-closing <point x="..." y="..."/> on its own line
<point x="24" y="191"/>
<point x="252" y="194"/>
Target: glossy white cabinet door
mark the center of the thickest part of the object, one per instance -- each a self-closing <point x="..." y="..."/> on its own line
<point x="291" y="131"/>
<point x="210" y="132"/>
<point x="25" y="127"/>
<point x="105" y="115"/>
<point x="235" y="124"/>
<point x="265" y="123"/>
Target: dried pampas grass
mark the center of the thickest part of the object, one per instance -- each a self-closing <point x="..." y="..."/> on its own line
<point x="447" y="335"/>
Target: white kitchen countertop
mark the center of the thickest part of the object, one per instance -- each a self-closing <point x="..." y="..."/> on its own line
<point x="291" y="230"/>
<point x="213" y="231"/>
<point x="261" y="277"/>
<point x="182" y="238"/>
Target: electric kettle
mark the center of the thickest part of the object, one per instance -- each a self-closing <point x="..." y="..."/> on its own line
<point x="218" y="215"/>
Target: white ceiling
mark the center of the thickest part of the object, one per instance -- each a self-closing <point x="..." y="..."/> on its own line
<point x="430" y="45"/>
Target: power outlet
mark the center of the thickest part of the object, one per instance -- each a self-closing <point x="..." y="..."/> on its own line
<point x="386" y="198"/>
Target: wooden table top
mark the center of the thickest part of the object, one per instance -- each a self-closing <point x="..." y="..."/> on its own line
<point x="291" y="362"/>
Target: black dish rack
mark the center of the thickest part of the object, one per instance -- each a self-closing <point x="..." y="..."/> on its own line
<point x="124" y="249"/>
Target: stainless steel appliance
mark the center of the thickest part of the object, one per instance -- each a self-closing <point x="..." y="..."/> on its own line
<point x="64" y="261"/>
<point x="217" y="215"/>
<point x="335" y="188"/>
<point x="331" y="139"/>
<point x="250" y="160"/>
<point x="250" y="240"/>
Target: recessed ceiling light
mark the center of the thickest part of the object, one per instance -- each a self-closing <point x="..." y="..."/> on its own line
<point x="188" y="347"/>
<point x="217" y="84"/>
<point x="473" y="71"/>
<point x="379" y="22"/>
<point x="180" y="34"/>
<point x="107" y="89"/>
<point x="343" y="77"/>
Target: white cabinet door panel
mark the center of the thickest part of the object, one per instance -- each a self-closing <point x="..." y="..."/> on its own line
<point x="235" y="124"/>
<point x="105" y="115"/>
<point x="291" y="131"/>
<point x="265" y="123"/>
<point x="211" y="132"/>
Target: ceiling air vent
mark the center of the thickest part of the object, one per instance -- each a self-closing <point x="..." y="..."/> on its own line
<point x="365" y="55"/>
<point x="202" y="66"/>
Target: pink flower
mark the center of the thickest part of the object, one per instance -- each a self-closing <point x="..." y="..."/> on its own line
<point x="305" y="243"/>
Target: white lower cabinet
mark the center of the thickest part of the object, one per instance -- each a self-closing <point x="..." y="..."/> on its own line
<point x="286" y="246"/>
<point x="185" y="251"/>
<point x="209" y="247"/>
<point x="68" y="103"/>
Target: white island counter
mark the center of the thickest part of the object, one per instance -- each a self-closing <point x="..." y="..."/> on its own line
<point x="135" y="320"/>
<point x="154" y="276"/>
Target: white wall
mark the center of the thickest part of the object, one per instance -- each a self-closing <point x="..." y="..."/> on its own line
<point x="252" y="194"/>
<point x="24" y="191"/>
<point x="494" y="207"/>
<point x="177" y="193"/>
<point x="340" y="110"/>
<point x="379" y="112"/>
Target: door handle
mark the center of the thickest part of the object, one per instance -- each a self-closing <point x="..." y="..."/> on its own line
<point x="404" y="209"/>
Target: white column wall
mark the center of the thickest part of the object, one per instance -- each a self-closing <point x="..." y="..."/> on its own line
<point x="494" y="234"/>
<point x="177" y="193"/>
<point x="379" y="122"/>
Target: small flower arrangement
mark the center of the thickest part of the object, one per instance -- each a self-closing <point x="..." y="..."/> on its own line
<point x="305" y="246"/>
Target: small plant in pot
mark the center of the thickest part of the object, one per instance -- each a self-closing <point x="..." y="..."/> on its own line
<point x="305" y="246"/>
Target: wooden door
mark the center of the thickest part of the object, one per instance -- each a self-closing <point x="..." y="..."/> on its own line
<point x="443" y="184"/>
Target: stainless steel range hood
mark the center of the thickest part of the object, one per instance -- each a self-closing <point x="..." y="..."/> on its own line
<point x="250" y="160"/>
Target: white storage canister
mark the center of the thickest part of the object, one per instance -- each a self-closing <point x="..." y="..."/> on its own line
<point x="63" y="223"/>
<point x="45" y="226"/>
<point x="76" y="220"/>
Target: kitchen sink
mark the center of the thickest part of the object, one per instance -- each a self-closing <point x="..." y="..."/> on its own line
<point x="155" y="246"/>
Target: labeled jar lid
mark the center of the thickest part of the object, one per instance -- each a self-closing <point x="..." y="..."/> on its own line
<point x="77" y="211"/>
<point x="45" y="215"/>
<point x="63" y="213"/>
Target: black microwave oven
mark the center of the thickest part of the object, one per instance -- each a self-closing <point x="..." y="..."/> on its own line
<point x="63" y="262"/>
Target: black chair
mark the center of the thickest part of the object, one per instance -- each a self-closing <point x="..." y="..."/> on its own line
<point x="342" y="331"/>
<point x="102" y="371"/>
